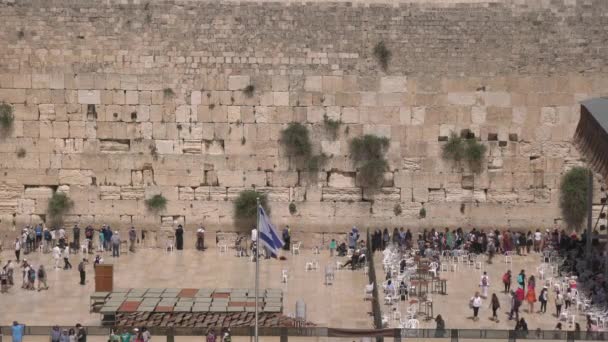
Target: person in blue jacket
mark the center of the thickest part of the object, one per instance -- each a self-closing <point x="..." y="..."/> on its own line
<point x="18" y="330"/>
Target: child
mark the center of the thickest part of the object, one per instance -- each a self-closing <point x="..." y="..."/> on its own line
<point x="332" y="247"/>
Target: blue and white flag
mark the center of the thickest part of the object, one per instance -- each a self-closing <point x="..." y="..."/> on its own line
<point x="267" y="234"/>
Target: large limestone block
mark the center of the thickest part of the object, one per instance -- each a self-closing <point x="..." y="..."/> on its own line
<point x="497" y="99"/>
<point x="382" y="194"/>
<point x="255" y="178"/>
<point x="502" y="196"/>
<point x="192" y="146"/>
<point x="283" y="178"/>
<point x="437" y="195"/>
<point x="238" y="82"/>
<point x="109" y="192"/>
<point x="186" y="193"/>
<point x="352" y="210"/>
<point x="462" y="98"/>
<point x="276" y="194"/>
<point x="37" y="192"/>
<point x="393" y="84"/>
<point x="458" y="195"/>
<point x="89" y="97"/>
<point x="341" y="180"/>
<point x="341" y="194"/>
<point x="75" y="177"/>
<point x="315" y="114"/>
<point x="132" y="192"/>
<point x="165" y="146"/>
<point x="210" y="193"/>
<point x="12" y="95"/>
<point x="313" y="83"/>
<point x="229" y="178"/>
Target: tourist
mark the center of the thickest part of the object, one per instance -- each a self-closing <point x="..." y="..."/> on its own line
<point x="48" y="238"/>
<point x="57" y="256"/>
<point x="529" y="242"/>
<point x="543" y="298"/>
<point x="81" y="334"/>
<point x="10" y="270"/>
<point x="559" y="301"/>
<point x="17" y="248"/>
<point x="332" y="247"/>
<point x="98" y="260"/>
<point x="491" y="250"/>
<point x="115" y="240"/>
<point x="538" y="236"/>
<point x="475" y="304"/>
<point x="66" y="258"/>
<point x="81" y="271"/>
<point x="76" y="235"/>
<point x="531" y="295"/>
<point x="102" y="239"/>
<point x="17" y="331"/>
<point x="200" y="238"/>
<point x="484" y="283"/>
<point x="42" y="278"/>
<point x="506" y="280"/>
<point x="126" y="336"/>
<point x="3" y="281"/>
<point x="439" y="326"/>
<point x="146" y="334"/>
<point x="385" y="238"/>
<point x="568" y="298"/>
<point x="72" y="335"/>
<point x="114" y="337"/>
<point x="55" y="333"/>
<point x="403" y="292"/>
<point x="521" y="279"/>
<point x="38" y="235"/>
<point x="65" y="337"/>
<point x="515" y="304"/>
<point x="89" y="234"/>
<point x="132" y="239"/>
<point x="210" y="335"/>
<point x="138" y="337"/>
<point x="494" y="305"/>
<point x="522" y="326"/>
<point x="227" y="337"/>
<point x="179" y="238"/>
<point x="286" y="238"/>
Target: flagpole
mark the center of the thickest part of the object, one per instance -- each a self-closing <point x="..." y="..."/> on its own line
<point x="257" y="265"/>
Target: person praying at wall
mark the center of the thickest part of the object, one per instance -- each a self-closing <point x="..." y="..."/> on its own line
<point x="179" y="238"/>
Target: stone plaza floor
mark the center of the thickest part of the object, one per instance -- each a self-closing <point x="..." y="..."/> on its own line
<point x="338" y="305"/>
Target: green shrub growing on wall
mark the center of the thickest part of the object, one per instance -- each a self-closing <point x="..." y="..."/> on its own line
<point x="422" y="213"/>
<point x="6" y="117"/>
<point x="249" y="90"/>
<point x="573" y="196"/>
<point x="382" y="54"/>
<point x="368" y="153"/>
<point x="156" y="203"/>
<point x="245" y="208"/>
<point x="296" y="140"/>
<point x="331" y="126"/>
<point x="59" y="204"/>
<point x="292" y="208"/>
<point x="470" y="150"/>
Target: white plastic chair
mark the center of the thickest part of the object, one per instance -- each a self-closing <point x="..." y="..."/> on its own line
<point x="396" y="314"/>
<point x="368" y="292"/>
<point x="308" y="266"/>
<point x="509" y="258"/>
<point x="222" y="247"/>
<point x="433" y="268"/>
<point x="284" y="276"/>
<point x="412" y="324"/>
<point x="295" y="248"/>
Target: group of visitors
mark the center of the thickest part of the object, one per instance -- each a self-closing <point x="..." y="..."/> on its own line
<point x="125" y="335"/>
<point x="29" y="274"/>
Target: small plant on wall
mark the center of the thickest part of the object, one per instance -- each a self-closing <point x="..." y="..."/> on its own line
<point x="59" y="204"/>
<point x="249" y="90"/>
<point x="397" y="210"/>
<point x="459" y="149"/>
<point x="382" y="55"/>
<point x="6" y="118"/>
<point x="292" y="208"/>
<point x="21" y="152"/>
<point x="168" y="92"/>
<point x="156" y="203"/>
<point x="573" y="196"/>
<point x="245" y="208"/>
<point x="368" y="154"/>
<point x="296" y="140"/>
<point x="422" y="213"/>
<point x="331" y="126"/>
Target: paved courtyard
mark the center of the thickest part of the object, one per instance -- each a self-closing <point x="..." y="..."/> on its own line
<point x="338" y="305"/>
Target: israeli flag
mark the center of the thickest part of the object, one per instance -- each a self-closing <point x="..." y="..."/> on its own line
<point x="267" y="234"/>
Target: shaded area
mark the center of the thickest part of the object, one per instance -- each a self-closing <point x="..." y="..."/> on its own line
<point x="591" y="134"/>
<point x="202" y="320"/>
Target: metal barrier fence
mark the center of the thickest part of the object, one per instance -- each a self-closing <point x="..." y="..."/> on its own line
<point x="396" y="334"/>
<point x="376" y="311"/>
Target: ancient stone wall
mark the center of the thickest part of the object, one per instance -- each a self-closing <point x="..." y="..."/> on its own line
<point x="116" y="101"/>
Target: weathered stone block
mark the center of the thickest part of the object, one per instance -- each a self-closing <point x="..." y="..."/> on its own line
<point x="89" y="97"/>
<point x="75" y="177"/>
<point x="341" y="180"/>
<point x="393" y="84"/>
<point x="341" y="194"/>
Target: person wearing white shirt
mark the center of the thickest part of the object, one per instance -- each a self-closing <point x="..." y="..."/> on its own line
<point x="538" y="237"/>
<point x="475" y="304"/>
<point x="484" y="283"/>
<point x="66" y="258"/>
<point x="17" y="248"/>
<point x="56" y="256"/>
<point x="254" y="235"/>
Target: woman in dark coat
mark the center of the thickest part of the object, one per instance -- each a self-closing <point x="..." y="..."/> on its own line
<point x="179" y="238"/>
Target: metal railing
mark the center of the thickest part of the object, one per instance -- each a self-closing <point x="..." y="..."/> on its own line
<point x="397" y="334"/>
